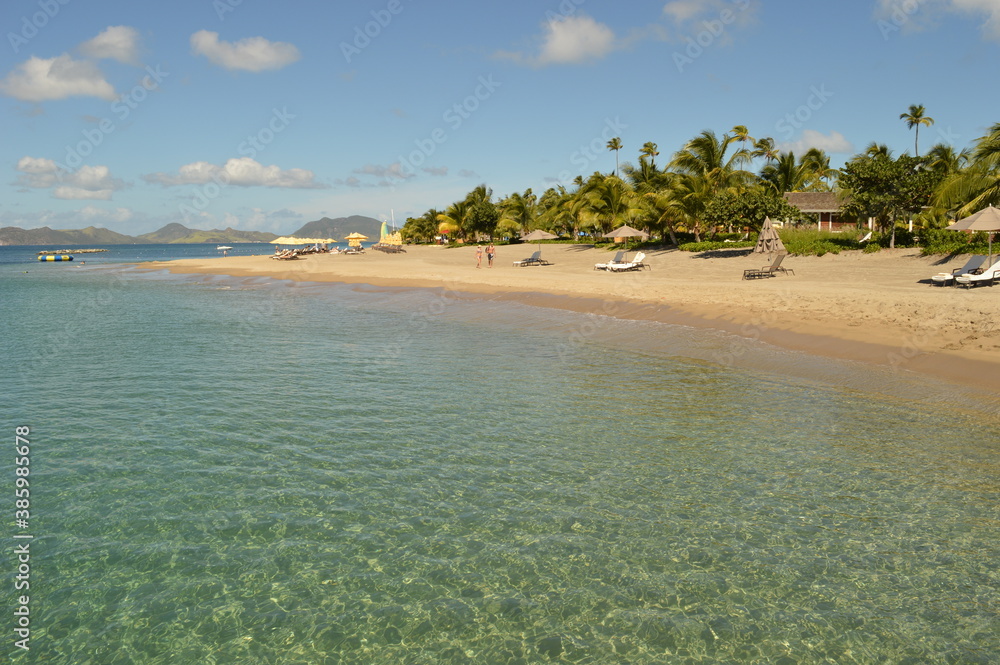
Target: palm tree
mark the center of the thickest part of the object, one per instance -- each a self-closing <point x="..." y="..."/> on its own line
<point x="453" y="218"/>
<point x="875" y="149"/>
<point x="705" y="156"/>
<point x="609" y="201"/>
<point x="520" y="209"/>
<point x="978" y="185"/>
<point x="649" y="149"/>
<point x="785" y="174"/>
<point x="915" y="117"/>
<point x="944" y="159"/>
<point x="616" y="145"/>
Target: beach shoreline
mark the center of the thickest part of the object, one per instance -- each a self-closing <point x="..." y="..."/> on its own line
<point x="875" y="308"/>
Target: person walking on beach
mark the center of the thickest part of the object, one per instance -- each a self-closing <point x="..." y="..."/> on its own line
<point x="491" y="251"/>
<point x="479" y="256"/>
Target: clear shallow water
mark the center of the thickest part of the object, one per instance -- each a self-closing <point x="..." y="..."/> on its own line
<point x="243" y="471"/>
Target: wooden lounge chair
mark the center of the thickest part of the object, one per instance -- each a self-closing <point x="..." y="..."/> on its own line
<point x="635" y="264"/>
<point x="768" y="271"/>
<point x="974" y="266"/>
<point x="988" y="276"/>
<point x="604" y="266"/>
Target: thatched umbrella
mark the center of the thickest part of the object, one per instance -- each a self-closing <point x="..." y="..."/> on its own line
<point x="768" y="242"/>
<point x="539" y="235"/>
<point x="626" y="232"/>
<point x="987" y="219"/>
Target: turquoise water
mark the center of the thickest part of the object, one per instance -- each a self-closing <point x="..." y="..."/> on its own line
<point x="247" y="471"/>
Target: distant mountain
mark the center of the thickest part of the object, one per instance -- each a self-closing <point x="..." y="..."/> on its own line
<point x="340" y="227"/>
<point x="178" y="233"/>
<point x="11" y="235"/>
<point x="171" y="233"/>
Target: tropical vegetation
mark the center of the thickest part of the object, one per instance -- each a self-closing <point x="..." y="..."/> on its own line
<point x="728" y="184"/>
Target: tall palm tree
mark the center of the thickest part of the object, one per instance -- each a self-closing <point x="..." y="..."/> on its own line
<point x="616" y="145"/>
<point x="649" y="149"/>
<point x="915" y="117"/>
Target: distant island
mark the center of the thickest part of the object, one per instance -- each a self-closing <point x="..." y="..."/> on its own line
<point x="179" y="234"/>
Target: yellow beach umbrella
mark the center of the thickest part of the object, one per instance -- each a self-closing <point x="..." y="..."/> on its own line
<point x="354" y="240"/>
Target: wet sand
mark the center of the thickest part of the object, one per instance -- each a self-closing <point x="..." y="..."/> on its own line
<point x="879" y="308"/>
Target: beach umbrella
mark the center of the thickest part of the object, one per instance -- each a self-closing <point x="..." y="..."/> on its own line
<point x="768" y="241"/>
<point x="538" y="235"/>
<point x="354" y="240"/>
<point x="987" y="219"/>
<point x="626" y="232"/>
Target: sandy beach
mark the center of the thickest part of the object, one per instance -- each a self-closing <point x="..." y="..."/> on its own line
<point x="879" y="308"/>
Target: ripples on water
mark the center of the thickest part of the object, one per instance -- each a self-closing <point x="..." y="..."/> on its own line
<point x="241" y="471"/>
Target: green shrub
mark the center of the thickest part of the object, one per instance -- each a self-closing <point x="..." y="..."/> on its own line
<point x="872" y="247"/>
<point x="710" y="246"/>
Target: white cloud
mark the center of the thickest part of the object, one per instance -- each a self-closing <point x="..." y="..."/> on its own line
<point x="571" y="40"/>
<point x="435" y="170"/>
<point x="87" y="182"/>
<point x="117" y="42"/>
<point x="253" y="54"/>
<point x="687" y="19"/>
<point x="834" y="142"/>
<point x="685" y="10"/>
<point x="118" y="215"/>
<point x="911" y="15"/>
<point x="242" y="172"/>
<point x="40" y="79"/>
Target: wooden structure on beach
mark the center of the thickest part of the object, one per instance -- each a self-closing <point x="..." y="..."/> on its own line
<point x="826" y="205"/>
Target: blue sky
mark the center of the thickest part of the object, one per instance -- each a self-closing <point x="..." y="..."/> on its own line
<point x="259" y="115"/>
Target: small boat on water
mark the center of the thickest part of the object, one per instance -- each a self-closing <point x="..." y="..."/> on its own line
<point x="223" y="247"/>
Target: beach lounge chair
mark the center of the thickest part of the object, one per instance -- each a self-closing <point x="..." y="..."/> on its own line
<point x="534" y="260"/>
<point x="768" y="271"/>
<point x="988" y="276"/>
<point x="635" y="264"/>
<point x="974" y="266"/>
<point x="604" y="266"/>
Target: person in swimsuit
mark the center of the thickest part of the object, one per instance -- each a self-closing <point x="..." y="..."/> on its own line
<point x="479" y="256"/>
<point x="491" y="251"/>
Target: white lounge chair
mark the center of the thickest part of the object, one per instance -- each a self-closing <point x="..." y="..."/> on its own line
<point x="973" y="266"/>
<point x="988" y="276"/>
<point x="634" y="264"/>
<point x="616" y="260"/>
